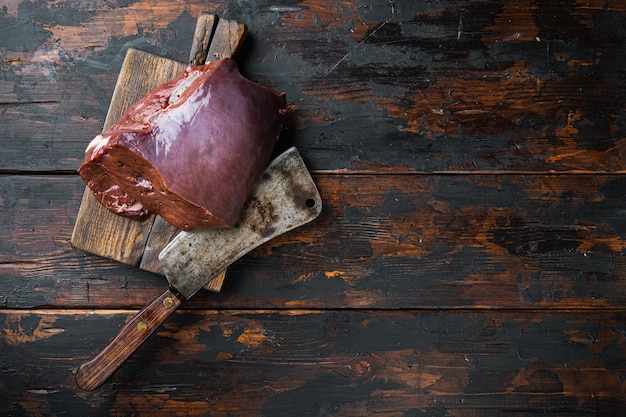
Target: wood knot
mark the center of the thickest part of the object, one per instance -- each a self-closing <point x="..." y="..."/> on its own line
<point x="362" y="367"/>
<point x="200" y="58"/>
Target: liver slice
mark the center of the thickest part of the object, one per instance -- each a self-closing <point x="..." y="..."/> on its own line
<point x="190" y="150"/>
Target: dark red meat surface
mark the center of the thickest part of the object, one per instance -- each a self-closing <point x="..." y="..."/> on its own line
<point x="190" y="150"/>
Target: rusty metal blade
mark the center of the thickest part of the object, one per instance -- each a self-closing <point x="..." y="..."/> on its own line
<point x="284" y="197"/>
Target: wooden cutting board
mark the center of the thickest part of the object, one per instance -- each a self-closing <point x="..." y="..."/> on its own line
<point x="138" y="243"/>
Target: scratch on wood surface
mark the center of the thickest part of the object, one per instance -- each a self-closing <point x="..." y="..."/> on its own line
<point x="284" y="9"/>
<point x="52" y="330"/>
<point x="43" y="391"/>
<point x="7" y="104"/>
<point x="510" y="38"/>
<point x="343" y="58"/>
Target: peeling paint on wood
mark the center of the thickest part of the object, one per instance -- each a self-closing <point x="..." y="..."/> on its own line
<point x="329" y="363"/>
<point x="412" y="85"/>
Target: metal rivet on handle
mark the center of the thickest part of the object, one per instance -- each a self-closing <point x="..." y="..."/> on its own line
<point x="168" y="302"/>
<point x="142" y="326"/>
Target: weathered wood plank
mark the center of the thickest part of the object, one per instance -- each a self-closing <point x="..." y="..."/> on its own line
<point x="202" y="38"/>
<point x="340" y="363"/>
<point x="419" y="87"/>
<point x="227" y="41"/>
<point x="404" y="241"/>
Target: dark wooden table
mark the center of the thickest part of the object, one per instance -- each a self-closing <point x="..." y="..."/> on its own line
<point x="470" y="259"/>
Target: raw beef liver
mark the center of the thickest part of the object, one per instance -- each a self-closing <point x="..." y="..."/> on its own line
<point x="189" y="151"/>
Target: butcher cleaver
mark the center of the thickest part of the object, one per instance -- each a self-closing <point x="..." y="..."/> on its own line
<point x="284" y="197"/>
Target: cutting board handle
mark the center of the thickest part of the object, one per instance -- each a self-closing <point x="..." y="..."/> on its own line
<point x="95" y="372"/>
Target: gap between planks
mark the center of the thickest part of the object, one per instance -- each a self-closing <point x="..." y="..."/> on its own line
<point x="375" y="172"/>
<point x="49" y="311"/>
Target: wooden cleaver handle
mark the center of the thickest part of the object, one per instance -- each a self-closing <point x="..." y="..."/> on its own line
<point x="95" y="372"/>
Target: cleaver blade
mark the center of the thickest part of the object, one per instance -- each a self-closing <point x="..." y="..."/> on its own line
<point x="283" y="198"/>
